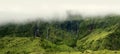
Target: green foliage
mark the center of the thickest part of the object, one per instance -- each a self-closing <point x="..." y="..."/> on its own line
<point x="93" y="33"/>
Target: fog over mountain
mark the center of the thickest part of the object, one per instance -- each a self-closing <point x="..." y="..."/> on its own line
<point x="28" y="10"/>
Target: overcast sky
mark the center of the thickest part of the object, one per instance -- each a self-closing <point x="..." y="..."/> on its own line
<point x="21" y="10"/>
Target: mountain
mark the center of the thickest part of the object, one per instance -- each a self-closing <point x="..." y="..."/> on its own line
<point x="78" y="34"/>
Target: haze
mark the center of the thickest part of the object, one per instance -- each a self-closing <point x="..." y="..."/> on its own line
<point x="24" y="10"/>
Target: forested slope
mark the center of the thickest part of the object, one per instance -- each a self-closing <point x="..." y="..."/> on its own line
<point x="78" y="34"/>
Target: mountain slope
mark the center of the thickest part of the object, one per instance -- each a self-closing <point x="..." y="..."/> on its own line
<point x="94" y="33"/>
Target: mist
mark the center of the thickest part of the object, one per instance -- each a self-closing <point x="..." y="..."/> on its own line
<point x="19" y="11"/>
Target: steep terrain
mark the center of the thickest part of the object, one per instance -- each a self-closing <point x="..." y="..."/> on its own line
<point x="93" y="33"/>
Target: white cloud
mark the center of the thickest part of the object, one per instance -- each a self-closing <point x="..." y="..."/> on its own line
<point x="21" y="10"/>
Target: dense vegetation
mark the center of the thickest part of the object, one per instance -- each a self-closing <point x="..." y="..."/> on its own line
<point x="73" y="35"/>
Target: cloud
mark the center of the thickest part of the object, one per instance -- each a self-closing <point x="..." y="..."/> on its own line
<point x="22" y="10"/>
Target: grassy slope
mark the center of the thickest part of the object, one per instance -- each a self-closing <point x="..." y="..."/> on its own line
<point x="62" y="40"/>
<point x="32" y="46"/>
<point x="96" y="40"/>
<point x="16" y="45"/>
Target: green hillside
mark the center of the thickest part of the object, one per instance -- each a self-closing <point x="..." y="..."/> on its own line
<point x="75" y="35"/>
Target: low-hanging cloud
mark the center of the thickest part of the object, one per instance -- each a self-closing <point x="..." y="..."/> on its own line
<point x="24" y="10"/>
